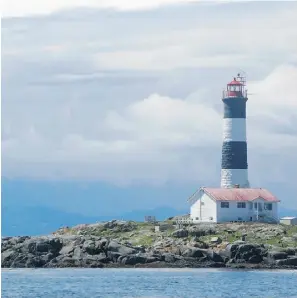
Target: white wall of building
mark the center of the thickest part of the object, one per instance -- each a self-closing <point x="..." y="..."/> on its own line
<point x="250" y="213"/>
<point x="288" y="221"/>
<point x="204" y="209"/>
<point x="232" y="213"/>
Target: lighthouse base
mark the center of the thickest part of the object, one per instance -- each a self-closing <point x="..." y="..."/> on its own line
<point x="231" y="178"/>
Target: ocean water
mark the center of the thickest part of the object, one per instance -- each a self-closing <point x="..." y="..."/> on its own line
<point x="165" y="283"/>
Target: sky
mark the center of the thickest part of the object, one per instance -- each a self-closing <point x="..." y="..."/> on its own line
<point x="127" y="95"/>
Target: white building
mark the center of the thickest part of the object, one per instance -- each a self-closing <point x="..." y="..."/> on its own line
<point x="288" y="220"/>
<point x="233" y="204"/>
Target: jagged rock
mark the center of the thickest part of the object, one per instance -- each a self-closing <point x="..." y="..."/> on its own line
<point x="82" y="247"/>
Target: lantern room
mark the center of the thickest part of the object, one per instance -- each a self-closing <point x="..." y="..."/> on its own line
<point x="236" y="88"/>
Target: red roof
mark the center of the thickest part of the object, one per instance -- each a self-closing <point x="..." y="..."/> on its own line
<point x="234" y="82"/>
<point x="240" y="194"/>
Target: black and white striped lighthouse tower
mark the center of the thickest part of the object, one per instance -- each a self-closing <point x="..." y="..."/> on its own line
<point x="234" y="171"/>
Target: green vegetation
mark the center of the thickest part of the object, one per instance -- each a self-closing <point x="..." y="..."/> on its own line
<point x="141" y="233"/>
<point x="144" y="240"/>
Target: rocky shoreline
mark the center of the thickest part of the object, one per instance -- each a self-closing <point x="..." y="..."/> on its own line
<point x="184" y="248"/>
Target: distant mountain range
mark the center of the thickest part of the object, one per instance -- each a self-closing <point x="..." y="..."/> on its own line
<point x="43" y="220"/>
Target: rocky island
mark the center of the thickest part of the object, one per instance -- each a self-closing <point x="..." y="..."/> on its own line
<point x="163" y="245"/>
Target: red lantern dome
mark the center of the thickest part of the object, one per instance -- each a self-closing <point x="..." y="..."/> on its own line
<point x="235" y="88"/>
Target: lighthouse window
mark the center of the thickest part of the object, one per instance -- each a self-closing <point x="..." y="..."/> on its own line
<point x="241" y="205"/>
<point x="224" y="204"/>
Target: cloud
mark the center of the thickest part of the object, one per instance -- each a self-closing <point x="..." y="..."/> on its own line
<point x="154" y="138"/>
<point x="139" y="99"/>
<point x="20" y="8"/>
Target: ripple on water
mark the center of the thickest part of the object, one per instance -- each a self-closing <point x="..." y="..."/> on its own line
<point x="147" y="283"/>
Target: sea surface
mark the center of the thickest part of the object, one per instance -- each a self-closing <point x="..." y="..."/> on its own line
<point x="117" y="283"/>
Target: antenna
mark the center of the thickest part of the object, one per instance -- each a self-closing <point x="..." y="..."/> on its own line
<point x="241" y="78"/>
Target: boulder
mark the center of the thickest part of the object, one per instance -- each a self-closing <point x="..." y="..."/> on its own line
<point x="113" y="256"/>
<point x="92" y="247"/>
<point x="290" y="251"/>
<point x="255" y="259"/>
<point x="77" y="253"/>
<point x="133" y="260"/>
<point x="193" y="252"/>
<point x="117" y="247"/>
<point x="216" y="265"/>
<point x="64" y="262"/>
<point x="196" y="232"/>
<point x="230" y="250"/>
<point x="68" y="249"/>
<point x="180" y="233"/>
<point x="245" y="248"/>
<point x="215" y="240"/>
<point x="213" y="256"/>
<point x="169" y="258"/>
<point x="42" y="246"/>
<point x="7" y="257"/>
<point x="20" y="261"/>
<point x="35" y="262"/>
<point x="287" y="262"/>
<point x="277" y="255"/>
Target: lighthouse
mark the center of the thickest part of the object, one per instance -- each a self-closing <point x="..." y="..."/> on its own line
<point x="234" y="167"/>
<point x="235" y="200"/>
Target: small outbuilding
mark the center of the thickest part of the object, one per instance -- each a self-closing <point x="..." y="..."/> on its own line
<point x="289" y="220"/>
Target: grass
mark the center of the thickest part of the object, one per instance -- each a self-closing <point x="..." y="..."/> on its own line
<point x="144" y="240"/>
<point x="291" y="231"/>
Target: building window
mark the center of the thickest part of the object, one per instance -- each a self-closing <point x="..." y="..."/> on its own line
<point x="255" y="206"/>
<point x="197" y="218"/>
<point x="224" y="204"/>
<point x="202" y="203"/>
<point x="268" y="206"/>
<point x="241" y="205"/>
<point x="211" y="218"/>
